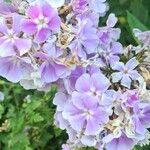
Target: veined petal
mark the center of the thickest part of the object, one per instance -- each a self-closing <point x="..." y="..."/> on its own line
<point x="28" y="27"/>
<point x="41" y="36"/>
<point x="33" y="12"/>
<point x="83" y="83"/>
<point x="116" y="77"/>
<point x="7" y="49"/>
<point x="23" y="45"/>
<point x="132" y="63"/>
<point x="126" y="81"/>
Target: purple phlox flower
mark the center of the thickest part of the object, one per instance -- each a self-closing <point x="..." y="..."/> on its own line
<point x="93" y="70"/>
<point x="98" y="6"/>
<point x="109" y="34"/>
<point x="112" y="52"/>
<point x="86" y="40"/>
<point x="143" y="37"/>
<point x="52" y="71"/>
<point x="93" y="85"/>
<point x="65" y="147"/>
<point x="43" y="20"/>
<point x="6" y="8"/>
<point x="70" y="82"/>
<point x="131" y="106"/>
<point x="85" y="115"/>
<point x="79" y="6"/>
<point x="130" y="98"/>
<point x="126" y="72"/>
<point x="51" y="68"/>
<point x="60" y="121"/>
<point x="88" y="140"/>
<point x="33" y="81"/>
<point x="14" y="68"/>
<point x="121" y="143"/>
<point x="60" y="100"/>
<point x="142" y="111"/>
<point x="10" y="42"/>
<point x="111" y="101"/>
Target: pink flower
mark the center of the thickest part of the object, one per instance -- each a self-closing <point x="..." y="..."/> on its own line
<point x="43" y="19"/>
<point x="10" y="42"/>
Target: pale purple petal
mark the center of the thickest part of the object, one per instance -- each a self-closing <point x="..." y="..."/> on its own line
<point x="77" y="122"/>
<point x="117" y="48"/>
<point x="3" y="26"/>
<point x="29" y="27"/>
<point x="112" y="20"/>
<point x="92" y="127"/>
<point x="132" y="63"/>
<point x="83" y="83"/>
<point x="7" y="49"/>
<point x="118" y="66"/>
<point x="33" y="12"/>
<point x="60" y="121"/>
<point x="126" y="81"/>
<point x="116" y="77"/>
<point x="16" y="26"/>
<point x="100" y="82"/>
<point x="54" y="23"/>
<point x="83" y="101"/>
<point x="134" y="75"/>
<point x="48" y="73"/>
<point x="23" y="45"/>
<point x="122" y="143"/>
<point x="42" y="35"/>
<point x="60" y="100"/>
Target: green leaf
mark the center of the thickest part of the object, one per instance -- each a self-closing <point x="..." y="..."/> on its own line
<point x="135" y="23"/>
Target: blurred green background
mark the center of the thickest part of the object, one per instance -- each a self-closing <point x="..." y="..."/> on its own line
<point x="26" y="117"/>
<point x="140" y="9"/>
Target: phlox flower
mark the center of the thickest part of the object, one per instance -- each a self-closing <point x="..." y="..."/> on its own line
<point x="85" y="115"/>
<point x="86" y="39"/>
<point x="53" y="3"/>
<point x="60" y="100"/>
<point x="108" y="33"/>
<point x="51" y="68"/>
<point x="123" y="143"/>
<point x="79" y="5"/>
<point x="11" y="43"/>
<point x="126" y="72"/>
<point x="14" y="68"/>
<point x="143" y="37"/>
<point x="111" y="53"/>
<point x="93" y="85"/>
<point x="6" y="8"/>
<point x="98" y="6"/>
<point x="42" y="21"/>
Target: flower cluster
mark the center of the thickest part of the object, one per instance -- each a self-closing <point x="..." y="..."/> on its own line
<point x="102" y="99"/>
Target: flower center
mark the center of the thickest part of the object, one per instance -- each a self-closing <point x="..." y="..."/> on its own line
<point x="88" y="113"/>
<point x="126" y="71"/>
<point x="41" y="22"/>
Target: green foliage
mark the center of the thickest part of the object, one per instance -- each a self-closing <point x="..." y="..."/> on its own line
<point x="27" y="119"/>
<point x="135" y="23"/>
<point x="139" y="11"/>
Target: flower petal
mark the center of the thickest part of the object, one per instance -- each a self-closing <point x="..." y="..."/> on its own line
<point x="23" y="45"/>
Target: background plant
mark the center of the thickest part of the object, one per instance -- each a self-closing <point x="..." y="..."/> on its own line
<point x="26" y="117"/>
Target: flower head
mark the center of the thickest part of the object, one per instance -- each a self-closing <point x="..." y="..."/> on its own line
<point x="43" y="20"/>
<point x="126" y="72"/>
<point x="11" y="42"/>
